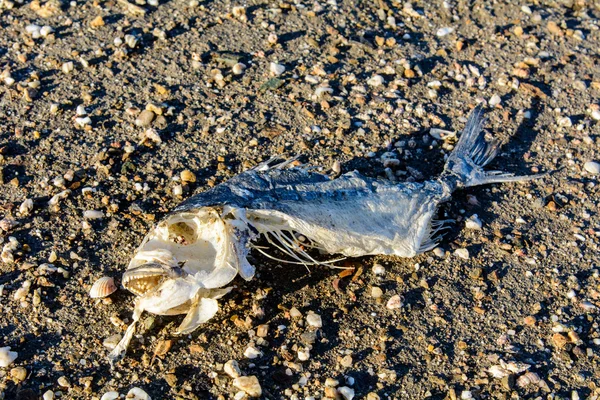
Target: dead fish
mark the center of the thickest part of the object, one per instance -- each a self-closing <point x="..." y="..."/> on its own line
<point x="185" y="263"/>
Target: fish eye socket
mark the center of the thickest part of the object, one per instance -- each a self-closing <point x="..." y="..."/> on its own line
<point x="182" y="233"/>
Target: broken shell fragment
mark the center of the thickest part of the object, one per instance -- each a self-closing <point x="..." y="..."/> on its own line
<point x="232" y="368"/>
<point x="103" y="287"/>
<point x="6" y="356"/>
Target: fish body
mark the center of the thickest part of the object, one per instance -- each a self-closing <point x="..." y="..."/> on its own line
<point x="185" y="263"/>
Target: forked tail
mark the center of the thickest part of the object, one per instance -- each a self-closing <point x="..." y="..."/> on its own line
<point x="473" y="152"/>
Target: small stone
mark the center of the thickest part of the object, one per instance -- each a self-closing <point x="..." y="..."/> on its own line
<point x="187" y="176"/>
<point x="303" y="354"/>
<point x="145" y="118"/>
<point x="376" y="292"/>
<point x="559" y="340"/>
<point x="373" y="396"/>
<point x="462" y="253"/>
<point x="49" y="395"/>
<point x="466" y="395"/>
<point x="249" y="384"/>
<point x="554" y="29"/>
<point x="394" y="302"/>
<point x="314" y="320"/>
<point x="474" y="223"/>
<point x="529" y="320"/>
<point x="252" y="352"/>
<point x="68" y="67"/>
<point x="444" y="31"/>
<point x="439" y="252"/>
<point x="495" y="100"/>
<point x="6" y="356"/>
<point x="346" y="361"/>
<point x="592" y="167"/>
<point x="330" y="382"/>
<point x="276" y="69"/>
<point x="376" y="80"/>
<point x="346" y="392"/>
<point x="63" y="381"/>
<point x="112" y="395"/>
<point x="97" y="22"/>
<point x="19" y="374"/>
<point x="378" y="269"/>
<point x="232" y="368"/>
<point x="295" y="313"/>
<point x="262" y="330"/>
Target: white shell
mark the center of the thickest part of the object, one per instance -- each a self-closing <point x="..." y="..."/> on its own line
<point x="137" y="394"/>
<point x="103" y="287"/>
<point x="110" y="396"/>
<point x="6" y="356"/>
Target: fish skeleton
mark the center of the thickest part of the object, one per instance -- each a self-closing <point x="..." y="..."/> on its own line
<point x="185" y="263"/>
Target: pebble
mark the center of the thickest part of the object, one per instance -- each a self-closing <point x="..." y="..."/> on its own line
<point x="378" y="269"/>
<point x="592" y="167"/>
<point x="595" y="115"/>
<point x="495" y="100"/>
<point x="112" y="395"/>
<point x="462" y="253"/>
<point x="49" y="395"/>
<point x="145" y="118"/>
<point x="303" y="354"/>
<point x="314" y="320"/>
<point x="295" y="313"/>
<point x="68" y="67"/>
<point x="232" y="368"/>
<point x="187" y="176"/>
<point x="262" y="330"/>
<point x="19" y="374"/>
<point x="394" y="302"/>
<point x="137" y="394"/>
<point x="7" y="357"/>
<point x="276" y="69"/>
<point x="177" y="190"/>
<point x="346" y="392"/>
<point x="346" y="361"/>
<point x="474" y="223"/>
<point x="46" y="30"/>
<point x="444" y="31"/>
<point x="439" y="252"/>
<point x="63" y="381"/>
<point x="330" y="382"/>
<point x="466" y="395"/>
<point x="93" y="214"/>
<point x="376" y="80"/>
<point x="252" y="352"/>
<point x="249" y="384"/>
<point x="376" y="292"/>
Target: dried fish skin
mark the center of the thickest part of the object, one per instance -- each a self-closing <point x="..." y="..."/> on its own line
<point x="185" y="263"/>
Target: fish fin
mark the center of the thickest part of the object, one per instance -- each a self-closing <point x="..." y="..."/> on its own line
<point x="121" y="348"/>
<point x="201" y="310"/>
<point x="434" y="234"/>
<point x="473" y="152"/>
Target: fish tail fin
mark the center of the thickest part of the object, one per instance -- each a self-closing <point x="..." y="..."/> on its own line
<point x="473" y="152"/>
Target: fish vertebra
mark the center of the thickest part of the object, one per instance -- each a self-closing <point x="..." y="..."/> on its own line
<point x="184" y="263"/>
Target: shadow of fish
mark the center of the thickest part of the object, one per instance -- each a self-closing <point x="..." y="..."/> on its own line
<point x="184" y="264"/>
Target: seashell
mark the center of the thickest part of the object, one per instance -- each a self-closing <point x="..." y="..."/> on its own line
<point x="137" y="394"/>
<point x="441" y="134"/>
<point x="103" y="287"/>
<point x="530" y="378"/>
<point x="8" y="224"/>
